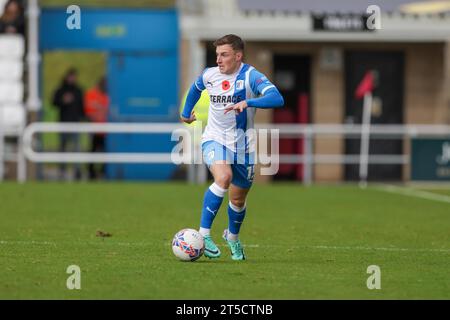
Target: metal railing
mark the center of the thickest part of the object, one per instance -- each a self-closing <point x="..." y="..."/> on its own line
<point x="308" y="132"/>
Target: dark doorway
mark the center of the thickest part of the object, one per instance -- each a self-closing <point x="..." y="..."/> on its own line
<point x="210" y="55"/>
<point x="387" y="108"/>
<point x="292" y="77"/>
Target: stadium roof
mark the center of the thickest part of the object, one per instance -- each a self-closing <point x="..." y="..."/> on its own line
<point x="347" y="6"/>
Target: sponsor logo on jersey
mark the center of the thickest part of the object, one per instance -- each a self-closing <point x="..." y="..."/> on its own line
<point x="224" y="99"/>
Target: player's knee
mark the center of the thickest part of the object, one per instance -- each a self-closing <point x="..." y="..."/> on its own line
<point x="223" y="179"/>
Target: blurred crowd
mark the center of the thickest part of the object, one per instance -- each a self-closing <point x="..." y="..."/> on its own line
<point x="12" y="18"/>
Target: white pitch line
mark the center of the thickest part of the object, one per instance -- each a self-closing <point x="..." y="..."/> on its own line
<point x="45" y="243"/>
<point x="414" y="193"/>
<point x="381" y="249"/>
<point x="287" y="247"/>
<point x="348" y="248"/>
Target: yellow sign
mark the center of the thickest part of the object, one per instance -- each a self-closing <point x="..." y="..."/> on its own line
<point x="200" y="109"/>
<point x="107" y="31"/>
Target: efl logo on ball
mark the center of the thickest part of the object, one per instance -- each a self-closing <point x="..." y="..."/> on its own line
<point x="188" y="245"/>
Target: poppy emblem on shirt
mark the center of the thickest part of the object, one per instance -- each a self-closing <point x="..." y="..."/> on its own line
<point x="225" y="85"/>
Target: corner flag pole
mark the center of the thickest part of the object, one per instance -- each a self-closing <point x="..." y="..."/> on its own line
<point x="364" y="90"/>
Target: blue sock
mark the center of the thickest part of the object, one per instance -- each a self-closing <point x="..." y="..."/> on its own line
<point x="235" y="218"/>
<point x="211" y="204"/>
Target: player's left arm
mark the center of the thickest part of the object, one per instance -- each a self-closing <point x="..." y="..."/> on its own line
<point x="267" y="94"/>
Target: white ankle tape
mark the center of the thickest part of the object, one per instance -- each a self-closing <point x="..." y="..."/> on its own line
<point x="237" y="209"/>
<point x="217" y="190"/>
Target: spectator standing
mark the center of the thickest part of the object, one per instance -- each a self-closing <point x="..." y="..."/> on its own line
<point x="96" y="102"/>
<point x="68" y="98"/>
<point x="12" y="19"/>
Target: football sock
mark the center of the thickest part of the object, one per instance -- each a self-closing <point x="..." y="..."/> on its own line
<point x="236" y="216"/>
<point x="211" y="204"/>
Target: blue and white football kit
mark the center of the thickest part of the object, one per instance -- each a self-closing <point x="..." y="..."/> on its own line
<point x="228" y="136"/>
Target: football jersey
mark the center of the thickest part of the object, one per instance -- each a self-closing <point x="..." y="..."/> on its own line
<point x="224" y="90"/>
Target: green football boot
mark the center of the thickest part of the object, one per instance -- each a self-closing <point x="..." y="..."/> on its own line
<point x="237" y="251"/>
<point x="211" y="250"/>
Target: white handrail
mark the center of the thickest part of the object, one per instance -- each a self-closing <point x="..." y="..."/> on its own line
<point x="309" y="132"/>
<point x="129" y="157"/>
<point x="88" y="157"/>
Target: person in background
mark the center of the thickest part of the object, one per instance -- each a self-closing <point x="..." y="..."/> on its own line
<point x="96" y="102"/>
<point x="12" y="19"/>
<point x="68" y="98"/>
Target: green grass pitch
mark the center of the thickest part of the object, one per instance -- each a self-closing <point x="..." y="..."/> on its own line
<point x="301" y="243"/>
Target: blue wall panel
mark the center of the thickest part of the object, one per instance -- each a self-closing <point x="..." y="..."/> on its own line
<point x="142" y="48"/>
<point x="110" y="29"/>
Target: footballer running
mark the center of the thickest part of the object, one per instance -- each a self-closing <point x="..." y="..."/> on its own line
<point x="236" y="89"/>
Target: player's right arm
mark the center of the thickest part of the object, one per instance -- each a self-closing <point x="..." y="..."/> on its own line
<point x="188" y="115"/>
